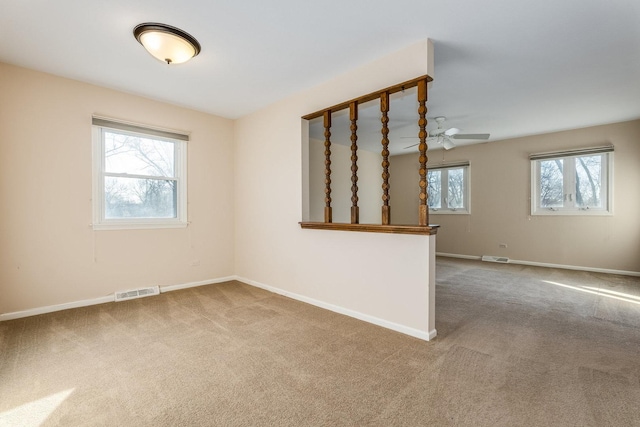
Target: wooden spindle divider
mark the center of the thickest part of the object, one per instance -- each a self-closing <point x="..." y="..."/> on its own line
<point x="353" y="116"/>
<point x="423" y="211"/>
<point x="423" y="227"/>
<point x="327" y="166"/>
<point x="384" y="109"/>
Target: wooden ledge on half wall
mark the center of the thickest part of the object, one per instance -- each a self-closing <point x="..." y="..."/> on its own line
<point x="373" y="228"/>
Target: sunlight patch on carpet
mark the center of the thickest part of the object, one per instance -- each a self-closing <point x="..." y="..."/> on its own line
<point x="33" y="414"/>
<point x="600" y="292"/>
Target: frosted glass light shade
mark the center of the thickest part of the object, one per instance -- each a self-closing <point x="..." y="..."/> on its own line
<point x="448" y="145"/>
<point x="167" y="43"/>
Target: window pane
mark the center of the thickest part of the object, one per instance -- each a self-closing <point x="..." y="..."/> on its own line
<point x="434" y="186"/>
<point x="139" y="198"/>
<point x="588" y="181"/>
<point x="138" y="156"/>
<point x="456" y="188"/>
<point x="551" y="183"/>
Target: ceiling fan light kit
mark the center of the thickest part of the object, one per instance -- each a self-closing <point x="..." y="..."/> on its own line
<point x="447" y="144"/>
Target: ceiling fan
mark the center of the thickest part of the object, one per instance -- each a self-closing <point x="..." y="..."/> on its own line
<point x="445" y="137"/>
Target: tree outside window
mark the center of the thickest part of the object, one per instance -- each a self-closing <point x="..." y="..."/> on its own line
<point x="448" y="189"/>
<point x="571" y="184"/>
<point x="139" y="177"/>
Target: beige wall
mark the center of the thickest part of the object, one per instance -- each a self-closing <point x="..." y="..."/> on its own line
<point x="404" y="189"/>
<point x="383" y="277"/>
<point x="500" y="184"/>
<point x="48" y="252"/>
<point x="244" y="203"/>
<point x="369" y="183"/>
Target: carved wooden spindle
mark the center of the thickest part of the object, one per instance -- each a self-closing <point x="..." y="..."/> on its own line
<point x="384" y="108"/>
<point x="327" y="166"/>
<point x="423" y="212"/>
<point x="353" y="116"/>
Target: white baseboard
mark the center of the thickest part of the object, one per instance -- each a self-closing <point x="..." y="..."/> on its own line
<point x="423" y="335"/>
<point x="102" y="300"/>
<point x="169" y="288"/>
<point x="57" y="307"/>
<point x="549" y="265"/>
<point x="458" y="256"/>
<point x="576" y="267"/>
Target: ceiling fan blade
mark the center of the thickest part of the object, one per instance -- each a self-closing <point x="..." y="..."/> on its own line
<point x="409" y="146"/>
<point x="452" y="131"/>
<point x="471" y="136"/>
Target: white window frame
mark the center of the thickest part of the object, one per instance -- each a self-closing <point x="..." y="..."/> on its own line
<point x="100" y="222"/>
<point x="444" y="191"/>
<point x="569" y="208"/>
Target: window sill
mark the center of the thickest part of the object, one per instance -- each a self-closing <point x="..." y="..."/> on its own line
<point x="572" y="213"/>
<point x="139" y="226"/>
<point x="373" y="228"/>
<point x="449" y="212"/>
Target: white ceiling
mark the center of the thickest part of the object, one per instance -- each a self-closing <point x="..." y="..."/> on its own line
<point x="511" y="68"/>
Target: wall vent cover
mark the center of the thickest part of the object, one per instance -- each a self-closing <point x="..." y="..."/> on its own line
<point x="137" y="293"/>
<point x="491" y="258"/>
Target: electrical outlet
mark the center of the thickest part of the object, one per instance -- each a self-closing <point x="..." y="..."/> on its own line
<point x="503" y="245"/>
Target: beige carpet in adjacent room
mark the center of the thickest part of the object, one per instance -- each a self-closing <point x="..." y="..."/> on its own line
<point x="516" y="346"/>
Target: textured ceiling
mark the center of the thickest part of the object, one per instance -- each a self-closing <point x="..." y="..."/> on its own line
<point x="511" y="68"/>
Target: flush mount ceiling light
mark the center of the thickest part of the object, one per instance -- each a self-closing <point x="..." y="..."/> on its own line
<point x="168" y="44"/>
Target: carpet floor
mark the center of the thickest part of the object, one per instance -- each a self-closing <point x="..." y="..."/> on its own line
<point x="516" y="346"/>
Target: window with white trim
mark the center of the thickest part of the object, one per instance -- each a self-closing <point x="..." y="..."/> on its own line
<point x="139" y="176"/>
<point x="576" y="182"/>
<point x="448" y="189"/>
